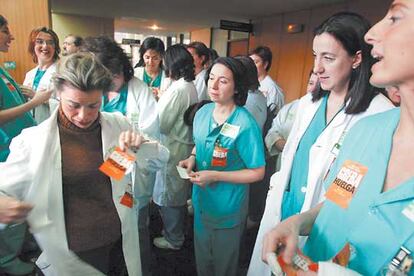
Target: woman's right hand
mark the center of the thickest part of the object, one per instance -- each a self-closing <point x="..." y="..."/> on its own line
<point x="285" y="235"/>
<point x="188" y="163"/>
<point x="41" y="97"/>
<point x="27" y="91"/>
<point x="13" y="210"/>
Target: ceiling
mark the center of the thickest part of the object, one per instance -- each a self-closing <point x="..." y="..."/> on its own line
<point x="179" y="16"/>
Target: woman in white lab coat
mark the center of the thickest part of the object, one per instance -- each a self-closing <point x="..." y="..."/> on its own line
<point x="149" y="68"/>
<point x="342" y="63"/>
<point x="101" y="237"/>
<point x="170" y="191"/>
<point x="44" y="49"/>
<point x="134" y="99"/>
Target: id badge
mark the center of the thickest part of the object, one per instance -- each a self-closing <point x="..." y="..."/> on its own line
<point x="128" y="199"/>
<point x="344" y="186"/>
<point x="118" y="164"/>
<point x="219" y="157"/>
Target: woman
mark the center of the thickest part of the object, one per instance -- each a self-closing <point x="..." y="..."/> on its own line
<point x="84" y="221"/>
<point x="201" y="56"/>
<point x="171" y="192"/>
<point x="44" y="49"/>
<point x="14" y="117"/>
<point x="228" y="154"/>
<point x="342" y="64"/>
<point x="131" y="97"/>
<point x="378" y="221"/>
<point x="262" y="57"/>
<point x="128" y="94"/>
<point x="149" y="67"/>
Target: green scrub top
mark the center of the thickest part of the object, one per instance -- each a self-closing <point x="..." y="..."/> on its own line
<point x="152" y="82"/>
<point x="39" y="75"/>
<point x="376" y="223"/>
<point x="11" y="96"/>
<point x="294" y="197"/>
<point x="222" y="204"/>
<point x="117" y="104"/>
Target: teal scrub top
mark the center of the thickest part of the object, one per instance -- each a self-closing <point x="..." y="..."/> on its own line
<point x="37" y="78"/>
<point x="117" y="104"/>
<point x="222" y="204"/>
<point x="293" y="197"/>
<point x="373" y="224"/>
<point x="152" y="82"/>
<point x="11" y="96"/>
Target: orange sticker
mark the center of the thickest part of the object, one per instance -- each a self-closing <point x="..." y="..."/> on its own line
<point x="219" y="157"/>
<point x="117" y="164"/>
<point x="127" y="200"/>
<point x="299" y="262"/>
<point x="346" y="183"/>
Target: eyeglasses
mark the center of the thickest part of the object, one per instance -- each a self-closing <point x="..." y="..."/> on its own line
<point x="41" y="42"/>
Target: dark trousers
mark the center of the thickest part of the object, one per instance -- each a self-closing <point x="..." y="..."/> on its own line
<point x="108" y="259"/>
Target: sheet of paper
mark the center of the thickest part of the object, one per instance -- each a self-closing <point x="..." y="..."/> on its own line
<point x="183" y="173"/>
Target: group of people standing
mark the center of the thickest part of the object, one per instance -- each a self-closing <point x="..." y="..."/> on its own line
<point x="343" y="179"/>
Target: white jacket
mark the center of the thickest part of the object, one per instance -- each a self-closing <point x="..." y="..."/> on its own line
<point x="42" y="112"/>
<point x="33" y="173"/>
<point x="142" y="109"/>
<point x="321" y="157"/>
<point x="142" y="114"/>
<point x="200" y="84"/>
<point x="170" y="189"/>
<point x="281" y="126"/>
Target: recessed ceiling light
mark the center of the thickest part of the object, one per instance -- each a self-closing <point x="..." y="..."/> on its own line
<point x="154" y="27"/>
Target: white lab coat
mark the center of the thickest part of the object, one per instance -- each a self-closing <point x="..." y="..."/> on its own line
<point x="272" y="92"/>
<point x="142" y="114"/>
<point x="170" y="189"/>
<point x="320" y="156"/>
<point x="141" y="109"/>
<point x="281" y="126"/>
<point x="200" y="84"/>
<point x="33" y="173"/>
<point x="43" y="111"/>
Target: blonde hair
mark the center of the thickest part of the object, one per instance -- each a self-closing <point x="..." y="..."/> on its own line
<point x="84" y="72"/>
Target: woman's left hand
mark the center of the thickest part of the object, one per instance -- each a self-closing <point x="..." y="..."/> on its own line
<point x="203" y="178"/>
<point x="130" y="140"/>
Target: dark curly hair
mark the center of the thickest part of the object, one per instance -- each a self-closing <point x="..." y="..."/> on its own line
<point x="251" y="72"/>
<point x="178" y="63"/>
<point x="150" y="43"/>
<point x="110" y="54"/>
<point x="241" y="84"/>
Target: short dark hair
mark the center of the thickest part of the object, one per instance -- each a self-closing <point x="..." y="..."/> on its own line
<point x="179" y="63"/>
<point x="241" y="84"/>
<point x="3" y="21"/>
<point x="77" y="40"/>
<point x="32" y="42"/>
<point x="110" y="54"/>
<point x="201" y="50"/>
<point x="150" y="43"/>
<point x="265" y="54"/>
<point x="251" y="72"/>
<point x="349" y="29"/>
